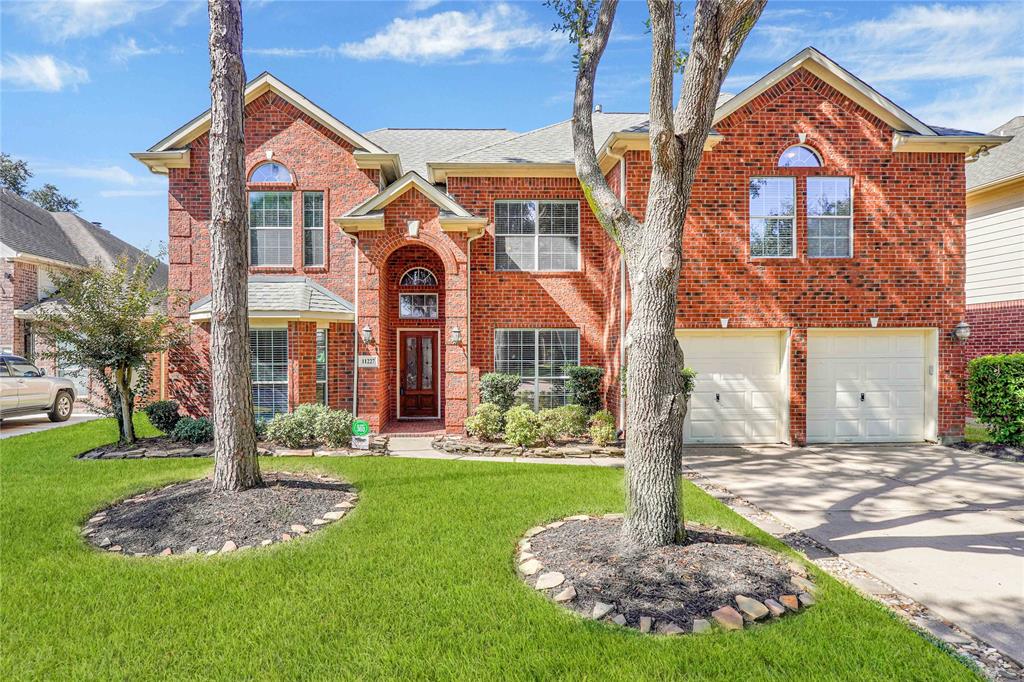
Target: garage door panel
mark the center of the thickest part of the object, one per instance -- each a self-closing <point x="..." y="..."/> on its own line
<point x="764" y="401"/>
<point x="845" y="399"/>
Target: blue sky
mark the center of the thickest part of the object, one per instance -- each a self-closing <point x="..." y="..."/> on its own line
<point x="85" y="83"/>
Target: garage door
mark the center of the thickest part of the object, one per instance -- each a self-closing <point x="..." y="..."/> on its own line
<point x="866" y="386"/>
<point x="737" y="397"/>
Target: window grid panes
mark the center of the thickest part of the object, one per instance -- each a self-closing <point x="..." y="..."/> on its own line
<point x="829" y="218"/>
<point x="270" y="228"/>
<point x="418" y="277"/>
<point x="270" y="172"/>
<point x="798" y="156"/>
<point x="417" y="306"/>
<point x="539" y="357"/>
<point x="313" y="228"/>
<point x="268" y="358"/>
<point x="321" y="366"/>
<point x="772" y="217"/>
<point x="536" y="235"/>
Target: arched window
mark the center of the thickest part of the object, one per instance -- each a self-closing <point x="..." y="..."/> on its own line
<point x="418" y="277"/>
<point x="799" y="156"/>
<point x="270" y="172"/>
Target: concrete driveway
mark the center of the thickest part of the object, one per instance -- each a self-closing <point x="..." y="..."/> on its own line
<point x="942" y="526"/>
<point x="17" y="426"/>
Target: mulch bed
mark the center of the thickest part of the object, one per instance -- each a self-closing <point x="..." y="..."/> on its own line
<point x="1007" y="453"/>
<point x="188" y="518"/>
<point x="671" y="585"/>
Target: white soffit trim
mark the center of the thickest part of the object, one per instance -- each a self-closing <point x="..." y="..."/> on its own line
<point x="968" y="144"/>
<point x="400" y="187"/>
<point x="836" y="76"/>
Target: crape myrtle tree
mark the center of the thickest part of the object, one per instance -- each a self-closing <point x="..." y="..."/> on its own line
<point x="235" y="465"/>
<point x="652" y="246"/>
<point x="109" y="322"/>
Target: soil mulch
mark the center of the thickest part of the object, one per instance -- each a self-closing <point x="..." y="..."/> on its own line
<point x="1007" y="453"/>
<point x="159" y="446"/>
<point x="677" y="583"/>
<point x="190" y="518"/>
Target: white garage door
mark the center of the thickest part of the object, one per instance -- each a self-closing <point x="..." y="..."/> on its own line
<point x="866" y="386"/>
<point x="737" y="397"/>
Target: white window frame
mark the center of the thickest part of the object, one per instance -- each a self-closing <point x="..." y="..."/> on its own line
<point x="810" y="215"/>
<point x="812" y="150"/>
<point x="537" y="235"/>
<point x="291" y="228"/>
<point x="536" y="378"/>
<point x="326" y="365"/>
<point x="289" y="181"/>
<point x="322" y="229"/>
<point x="751" y="216"/>
<point x="287" y="381"/>
<point x="418" y="293"/>
<point x="418" y="267"/>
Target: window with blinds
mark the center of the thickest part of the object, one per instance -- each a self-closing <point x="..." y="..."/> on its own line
<point x="321" y="366"/>
<point x="313" y="228"/>
<point x="537" y="235"/>
<point x="270" y="228"/>
<point x="539" y="357"/>
<point x="268" y="361"/>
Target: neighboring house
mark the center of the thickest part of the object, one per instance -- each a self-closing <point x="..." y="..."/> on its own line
<point x="35" y="244"/>
<point x="390" y="269"/>
<point x="995" y="246"/>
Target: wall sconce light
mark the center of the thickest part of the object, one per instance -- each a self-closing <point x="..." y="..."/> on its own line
<point x="367" y="334"/>
<point x="874" y="321"/>
<point x="725" y="322"/>
<point x="961" y="332"/>
<point x="456" y="335"/>
<point x="414" y="227"/>
<point x="270" y="154"/>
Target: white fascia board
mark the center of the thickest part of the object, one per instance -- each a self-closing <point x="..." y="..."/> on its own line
<point x="402" y="185"/>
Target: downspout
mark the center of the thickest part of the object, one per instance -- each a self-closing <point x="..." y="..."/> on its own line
<point x="469" y="317"/>
<point x="355" y="325"/>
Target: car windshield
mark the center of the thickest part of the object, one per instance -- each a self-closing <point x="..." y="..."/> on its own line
<point x="21" y="368"/>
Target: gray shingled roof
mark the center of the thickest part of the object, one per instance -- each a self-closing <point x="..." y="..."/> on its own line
<point x="1004" y="161"/>
<point x="417" y="146"/>
<point x="285" y="295"/>
<point x="29" y="229"/>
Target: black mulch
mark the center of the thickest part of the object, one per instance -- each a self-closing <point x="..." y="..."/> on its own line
<point x="188" y="514"/>
<point x="1007" y="453"/>
<point x="678" y="583"/>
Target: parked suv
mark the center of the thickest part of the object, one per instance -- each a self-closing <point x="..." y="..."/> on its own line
<point x="25" y="389"/>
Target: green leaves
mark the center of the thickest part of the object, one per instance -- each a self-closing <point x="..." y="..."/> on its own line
<point x="995" y="386"/>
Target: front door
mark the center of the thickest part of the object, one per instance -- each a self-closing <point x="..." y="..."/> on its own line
<point x="417" y="394"/>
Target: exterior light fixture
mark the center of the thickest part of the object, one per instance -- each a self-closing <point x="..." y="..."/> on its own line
<point x="874" y="321"/>
<point x="961" y="332"/>
<point x="725" y="322"/>
<point x="456" y="335"/>
<point x="414" y="227"/>
<point x="367" y="334"/>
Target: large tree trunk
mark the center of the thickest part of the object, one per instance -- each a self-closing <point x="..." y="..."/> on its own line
<point x="236" y="466"/>
<point x="655" y="401"/>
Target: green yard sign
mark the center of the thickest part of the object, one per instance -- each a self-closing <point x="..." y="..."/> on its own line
<point x="360" y="427"/>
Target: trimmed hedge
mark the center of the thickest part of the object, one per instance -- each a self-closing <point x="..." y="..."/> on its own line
<point x="522" y="426"/>
<point x="163" y="414"/>
<point x="499" y="389"/>
<point x="485" y="423"/>
<point x="995" y="386"/>
<point x="193" y="431"/>
<point x="584" y="387"/>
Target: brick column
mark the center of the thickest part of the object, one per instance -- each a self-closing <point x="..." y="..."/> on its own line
<point x="340" y="362"/>
<point x="798" y="386"/>
<point x="301" y="363"/>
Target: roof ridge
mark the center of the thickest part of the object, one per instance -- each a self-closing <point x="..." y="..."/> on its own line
<point x="515" y="137"/>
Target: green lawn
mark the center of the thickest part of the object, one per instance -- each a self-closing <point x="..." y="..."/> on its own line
<point x="417" y="583"/>
<point x="977" y="433"/>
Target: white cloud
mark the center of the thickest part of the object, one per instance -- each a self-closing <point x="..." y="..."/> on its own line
<point x="41" y="72"/>
<point x="114" y="174"/>
<point x="58" y="20"/>
<point x="129" y="48"/>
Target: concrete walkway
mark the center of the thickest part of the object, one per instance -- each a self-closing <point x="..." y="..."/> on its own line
<point x="942" y="526"/>
<point x="18" y="426"/>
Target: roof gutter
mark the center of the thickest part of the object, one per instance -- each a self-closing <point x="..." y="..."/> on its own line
<point x="956" y="144"/>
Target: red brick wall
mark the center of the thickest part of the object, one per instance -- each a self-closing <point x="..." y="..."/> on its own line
<point x="18" y="288"/>
<point x="995" y="328"/>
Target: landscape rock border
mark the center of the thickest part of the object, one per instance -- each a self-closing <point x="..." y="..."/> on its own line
<point x="465" y="445"/>
<point x="745" y="611"/>
<point x="162" y="447"/>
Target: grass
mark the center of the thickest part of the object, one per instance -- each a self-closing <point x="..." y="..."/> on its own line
<point x="976" y="433"/>
<point x="417" y="583"/>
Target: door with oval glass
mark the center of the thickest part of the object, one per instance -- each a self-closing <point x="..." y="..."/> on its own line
<point x="417" y="382"/>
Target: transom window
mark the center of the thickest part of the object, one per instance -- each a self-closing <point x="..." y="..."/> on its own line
<point x="313" y="228"/>
<point x="772" y="217"/>
<point x="799" y="156"/>
<point x="270" y="228"/>
<point x="418" y="277"/>
<point x="417" y="306"/>
<point x="270" y="172"/>
<point x="829" y="218"/>
<point x="539" y="357"/>
<point x="268" y="359"/>
<point x="536" y="235"/>
<point x="321" y="366"/>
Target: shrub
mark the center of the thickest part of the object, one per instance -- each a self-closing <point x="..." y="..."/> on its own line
<point x="193" y="430"/>
<point x="584" y="387"/>
<point x="485" y="422"/>
<point x="499" y="389"/>
<point x="296" y="429"/>
<point x="334" y="428"/>
<point x="549" y="425"/>
<point x="995" y="386"/>
<point x="521" y="426"/>
<point x="559" y="422"/>
<point x="261" y="429"/>
<point x="602" y="428"/>
<point x="163" y="414"/>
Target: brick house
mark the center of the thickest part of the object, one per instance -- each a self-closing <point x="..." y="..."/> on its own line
<point x="823" y="271"/>
<point x="35" y="244"/>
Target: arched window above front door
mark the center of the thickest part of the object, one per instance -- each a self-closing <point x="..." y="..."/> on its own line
<point x="418" y="277"/>
<point x="270" y="172"/>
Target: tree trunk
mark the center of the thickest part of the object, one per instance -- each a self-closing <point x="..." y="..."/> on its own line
<point x="236" y="467"/>
<point x="122" y="378"/>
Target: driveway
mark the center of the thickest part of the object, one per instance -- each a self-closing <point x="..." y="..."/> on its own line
<point x="942" y="526"/>
<point x="17" y="426"/>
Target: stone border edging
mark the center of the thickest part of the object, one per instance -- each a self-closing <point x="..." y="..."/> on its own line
<point x="457" y="445"/>
<point x="747" y="610"/>
<point x="152" y="448"/>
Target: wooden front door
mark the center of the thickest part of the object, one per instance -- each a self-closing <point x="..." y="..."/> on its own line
<point x="417" y="372"/>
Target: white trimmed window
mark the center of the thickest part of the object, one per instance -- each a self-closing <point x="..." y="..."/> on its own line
<point x="536" y="235"/>
<point x="772" y="217"/>
<point x="539" y="357"/>
<point x="418" y="277"/>
<point x="313" y="228"/>
<point x="321" y="366"/>
<point x="268" y="356"/>
<point x="829" y="217"/>
<point x="270" y="172"/>
<point x="417" y="306"/>
<point x="270" y="228"/>
<point x="799" y="156"/>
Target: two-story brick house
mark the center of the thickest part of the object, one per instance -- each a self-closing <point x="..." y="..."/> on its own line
<point x="822" y="283"/>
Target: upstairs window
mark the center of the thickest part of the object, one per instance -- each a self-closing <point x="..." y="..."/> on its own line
<point x="799" y="156"/>
<point x="270" y="173"/>
<point x="313" y="228"/>
<point x="537" y="235"/>
<point x="418" y="277"/>
<point x="270" y="228"/>
<point x="829" y="218"/>
<point x="772" y="217"/>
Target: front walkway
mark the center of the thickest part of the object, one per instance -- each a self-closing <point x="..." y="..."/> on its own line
<point x="942" y="526"/>
<point x="19" y="426"/>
